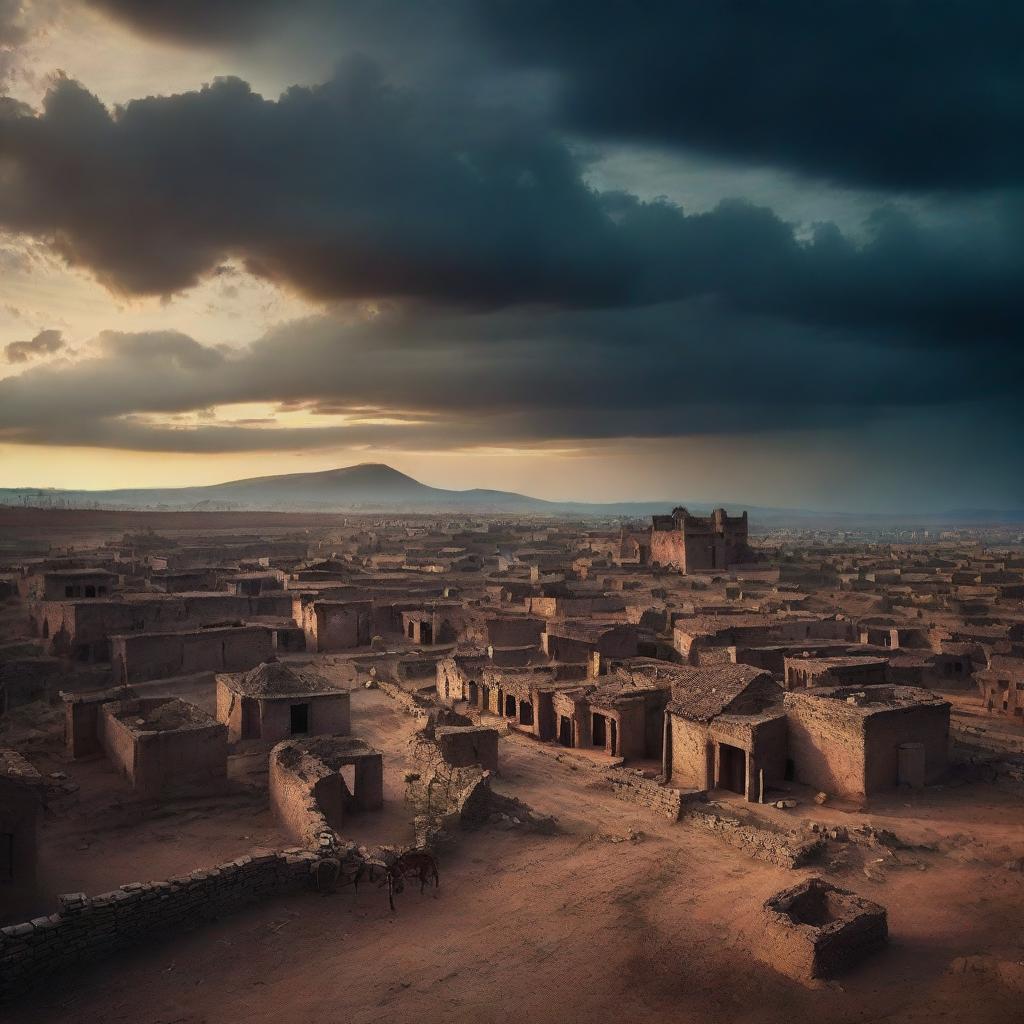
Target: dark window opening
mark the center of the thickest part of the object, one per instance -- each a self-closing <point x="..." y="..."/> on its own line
<point x="525" y="713"/>
<point x="412" y="626"/>
<point x="426" y="633"/>
<point x="510" y="706"/>
<point x="300" y="719"/>
<point x="90" y="590"/>
<point x="69" y="591"/>
<point x="614" y="736"/>
<point x="473" y="693"/>
<point x="598" y="734"/>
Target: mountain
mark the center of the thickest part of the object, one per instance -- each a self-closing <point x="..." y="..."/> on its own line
<point x="376" y="487"/>
<point x="366" y="486"/>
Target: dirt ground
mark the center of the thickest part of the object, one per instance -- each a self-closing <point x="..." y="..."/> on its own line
<point x="621" y="915"/>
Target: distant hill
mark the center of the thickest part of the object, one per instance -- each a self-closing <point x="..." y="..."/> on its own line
<point x="366" y="486"/>
<point x="372" y="487"/>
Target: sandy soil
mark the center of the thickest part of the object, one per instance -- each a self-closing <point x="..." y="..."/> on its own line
<point x="582" y="926"/>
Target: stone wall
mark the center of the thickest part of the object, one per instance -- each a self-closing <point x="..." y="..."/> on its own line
<point x="420" y="705"/>
<point x="87" y="928"/>
<point x="985" y="739"/>
<point x="628" y="785"/>
<point x="142" y="656"/>
<point x="784" y="849"/>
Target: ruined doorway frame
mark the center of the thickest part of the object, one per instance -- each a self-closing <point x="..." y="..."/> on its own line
<point x="732" y="769"/>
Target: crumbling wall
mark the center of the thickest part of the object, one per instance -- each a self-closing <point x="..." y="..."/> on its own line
<point x="817" y="930"/>
<point x="784" y="849"/>
<point x="87" y="928"/>
<point x="689" y="745"/>
<point x="663" y="800"/>
<point x="465" y="745"/>
<point x="420" y="705"/>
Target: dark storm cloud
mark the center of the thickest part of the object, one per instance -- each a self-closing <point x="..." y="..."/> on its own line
<point x="45" y="343"/>
<point x="904" y="95"/>
<point x="915" y="94"/>
<point x="506" y="377"/>
<point x="355" y="189"/>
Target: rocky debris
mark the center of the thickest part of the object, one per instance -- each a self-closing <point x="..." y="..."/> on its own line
<point x="784" y="849"/>
<point x="630" y="836"/>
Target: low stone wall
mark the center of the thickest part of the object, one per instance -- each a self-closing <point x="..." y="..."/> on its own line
<point x="87" y="928"/>
<point x="783" y="849"/>
<point x="420" y="705"/>
<point x="989" y="740"/>
<point x="664" y="800"/>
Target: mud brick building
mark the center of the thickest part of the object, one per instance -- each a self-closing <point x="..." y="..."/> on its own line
<point x="82" y="629"/>
<point x="60" y="584"/>
<point x="703" y="639"/>
<point x="161" y="744"/>
<point x="1002" y="686"/>
<point x="139" y="656"/>
<point x="853" y="742"/>
<point x="337" y="625"/>
<point x="579" y="640"/>
<point x="724" y="729"/>
<point x="699" y="543"/>
<point x="801" y="673"/>
<point x="438" y="623"/>
<point x="620" y="716"/>
<point x="275" y="701"/>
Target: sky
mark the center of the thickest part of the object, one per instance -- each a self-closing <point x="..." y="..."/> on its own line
<point x="744" y="251"/>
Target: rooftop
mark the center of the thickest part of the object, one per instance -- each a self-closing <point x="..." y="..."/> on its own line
<point x="700" y="694"/>
<point x="276" y="679"/>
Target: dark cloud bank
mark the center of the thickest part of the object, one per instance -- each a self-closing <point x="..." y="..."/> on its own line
<point x="520" y="303"/>
<point x="906" y="94"/>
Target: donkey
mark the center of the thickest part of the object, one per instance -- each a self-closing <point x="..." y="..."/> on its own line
<point x="412" y="864"/>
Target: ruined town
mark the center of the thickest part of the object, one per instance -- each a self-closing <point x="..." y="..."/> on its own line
<point x="422" y="767"/>
<point x="511" y="512"/>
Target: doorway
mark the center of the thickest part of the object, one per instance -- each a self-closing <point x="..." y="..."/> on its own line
<point x="250" y="719"/>
<point x="732" y="768"/>
<point x="525" y="713"/>
<point x="300" y="719"/>
<point x="598" y="732"/>
<point x="564" y="731"/>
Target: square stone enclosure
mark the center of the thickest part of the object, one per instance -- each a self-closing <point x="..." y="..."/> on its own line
<point x="817" y="930"/>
